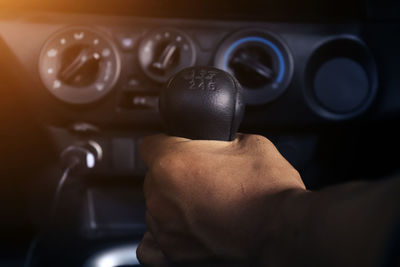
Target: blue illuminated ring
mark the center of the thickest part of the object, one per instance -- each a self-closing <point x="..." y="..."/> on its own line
<point x="260" y="40"/>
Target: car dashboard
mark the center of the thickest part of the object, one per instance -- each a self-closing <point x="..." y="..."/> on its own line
<point x="320" y="80"/>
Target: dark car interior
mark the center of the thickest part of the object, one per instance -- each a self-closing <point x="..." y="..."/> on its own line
<point x="81" y="79"/>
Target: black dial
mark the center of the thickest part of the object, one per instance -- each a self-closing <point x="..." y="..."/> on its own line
<point x="164" y="52"/>
<point x="79" y="65"/>
<point x="260" y="61"/>
<point x="253" y="66"/>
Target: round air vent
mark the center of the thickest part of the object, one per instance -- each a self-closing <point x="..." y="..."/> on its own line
<point x="341" y="79"/>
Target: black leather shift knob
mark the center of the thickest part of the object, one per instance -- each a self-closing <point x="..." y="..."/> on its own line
<point x="202" y="103"/>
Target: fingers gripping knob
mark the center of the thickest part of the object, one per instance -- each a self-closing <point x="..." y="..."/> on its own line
<point x="202" y="103"/>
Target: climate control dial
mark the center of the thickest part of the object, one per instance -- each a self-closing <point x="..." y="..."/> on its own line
<point x="79" y="65"/>
<point x="164" y="52"/>
<point x="260" y="61"/>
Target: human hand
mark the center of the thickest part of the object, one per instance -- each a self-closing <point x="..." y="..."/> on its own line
<point x="212" y="201"/>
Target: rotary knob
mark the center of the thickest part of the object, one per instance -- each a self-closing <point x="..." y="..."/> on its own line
<point x="164" y="52"/>
<point x="260" y="61"/>
<point x="253" y="67"/>
<point x="79" y="65"/>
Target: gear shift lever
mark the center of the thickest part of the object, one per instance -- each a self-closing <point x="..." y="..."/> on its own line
<point x="202" y="103"/>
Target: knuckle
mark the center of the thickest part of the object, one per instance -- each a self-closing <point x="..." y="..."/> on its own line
<point x="159" y="165"/>
<point x="261" y="140"/>
<point x="296" y="175"/>
<point x="257" y="140"/>
<point x="168" y="164"/>
<point x="256" y="143"/>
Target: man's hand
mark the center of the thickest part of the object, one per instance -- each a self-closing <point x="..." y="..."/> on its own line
<point x="211" y="201"/>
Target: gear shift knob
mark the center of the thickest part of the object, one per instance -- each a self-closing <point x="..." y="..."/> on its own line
<point x="202" y="103"/>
